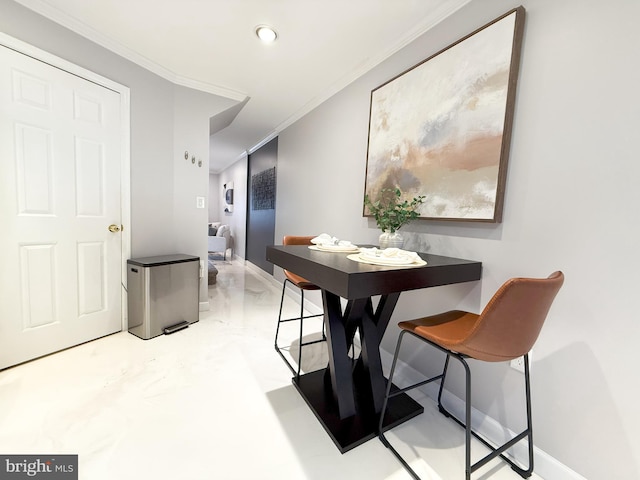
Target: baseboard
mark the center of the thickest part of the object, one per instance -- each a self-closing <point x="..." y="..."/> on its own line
<point x="546" y="466"/>
<point x="261" y="273"/>
<point x="204" y="306"/>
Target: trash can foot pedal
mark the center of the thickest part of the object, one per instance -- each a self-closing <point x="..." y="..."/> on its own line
<point x="175" y="328"/>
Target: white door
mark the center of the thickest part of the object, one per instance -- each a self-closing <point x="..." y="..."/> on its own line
<point x="60" y="158"/>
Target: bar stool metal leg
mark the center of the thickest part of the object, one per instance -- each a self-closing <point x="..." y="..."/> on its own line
<point x="389" y="395"/>
<point x="495" y="451"/>
<point x="301" y="318"/>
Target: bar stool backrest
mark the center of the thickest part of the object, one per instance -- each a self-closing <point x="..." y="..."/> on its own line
<point x="297" y="240"/>
<point x="510" y="323"/>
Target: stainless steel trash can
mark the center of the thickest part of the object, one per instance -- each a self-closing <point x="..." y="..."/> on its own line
<point x="162" y="294"/>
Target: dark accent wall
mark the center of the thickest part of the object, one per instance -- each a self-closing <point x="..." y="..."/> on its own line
<point x="261" y="203"/>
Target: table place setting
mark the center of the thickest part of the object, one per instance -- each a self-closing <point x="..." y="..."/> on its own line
<point x="394" y="257"/>
<point x="328" y="243"/>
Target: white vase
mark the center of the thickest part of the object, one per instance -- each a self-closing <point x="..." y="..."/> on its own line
<point x="390" y="240"/>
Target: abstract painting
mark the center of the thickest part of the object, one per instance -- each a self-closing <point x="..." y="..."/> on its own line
<point x="228" y="197"/>
<point x="442" y="128"/>
<point x="263" y="190"/>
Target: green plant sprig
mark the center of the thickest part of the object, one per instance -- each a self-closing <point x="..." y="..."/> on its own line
<point x="389" y="212"/>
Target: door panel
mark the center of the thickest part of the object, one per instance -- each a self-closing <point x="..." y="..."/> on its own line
<point x="33" y="180"/>
<point x="38" y="288"/>
<point x="60" y="160"/>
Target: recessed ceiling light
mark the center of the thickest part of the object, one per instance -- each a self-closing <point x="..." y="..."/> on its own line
<point x="266" y="33"/>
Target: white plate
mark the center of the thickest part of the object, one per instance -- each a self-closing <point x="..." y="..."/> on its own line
<point x="385" y="261"/>
<point x="334" y="248"/>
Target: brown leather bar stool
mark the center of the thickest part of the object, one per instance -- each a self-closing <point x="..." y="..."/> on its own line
<point x="506" y="329"/>
<point x="303" y="285"/>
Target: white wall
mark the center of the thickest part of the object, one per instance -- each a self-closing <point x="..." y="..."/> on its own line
<point x="571" y="203"/>
<point x="214" y="197"/>
<point x="165" y="120"/>
<point x="192" y="110"/>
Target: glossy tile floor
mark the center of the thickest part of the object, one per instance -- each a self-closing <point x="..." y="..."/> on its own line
<point x="213" y="401"/>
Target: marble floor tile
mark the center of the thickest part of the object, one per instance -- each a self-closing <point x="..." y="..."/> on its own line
<point x="213" y="401"/>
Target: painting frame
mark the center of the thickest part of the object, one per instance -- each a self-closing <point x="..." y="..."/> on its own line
<point x="442" y="128"/>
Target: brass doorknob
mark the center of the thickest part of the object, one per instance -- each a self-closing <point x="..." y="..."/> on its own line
<point x="114" y="228"/>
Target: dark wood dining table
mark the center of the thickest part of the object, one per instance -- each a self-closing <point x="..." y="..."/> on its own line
<point x="347" y="395"/>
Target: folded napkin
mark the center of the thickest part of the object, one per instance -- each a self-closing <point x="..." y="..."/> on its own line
<point x="390" y="255"/>
<point x="326" y="240"/>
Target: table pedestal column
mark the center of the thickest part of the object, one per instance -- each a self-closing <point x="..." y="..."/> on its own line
<point x="347" y="396"/>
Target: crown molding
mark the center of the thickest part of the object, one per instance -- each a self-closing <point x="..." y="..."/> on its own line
<point x="93" y="35"/>
<point x="76" y="26"/>
<point x="355" y="74"/>
<point x="346" y="80"/>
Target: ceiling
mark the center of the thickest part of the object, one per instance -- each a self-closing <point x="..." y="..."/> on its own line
<point x="210" y="45"/>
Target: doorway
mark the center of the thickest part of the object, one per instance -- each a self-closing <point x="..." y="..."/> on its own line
<point x="261" y="195"/>
<point x="63" y="158"/>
